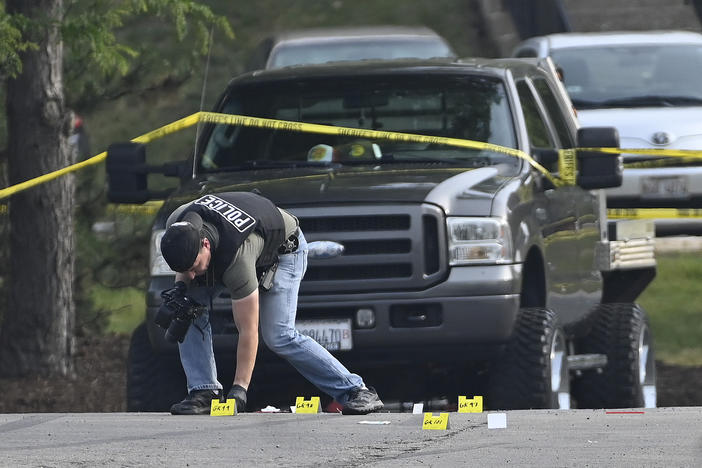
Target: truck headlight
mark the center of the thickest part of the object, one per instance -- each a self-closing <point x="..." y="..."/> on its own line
<point x="478" y="240"/>
<point x="159" y="267"/>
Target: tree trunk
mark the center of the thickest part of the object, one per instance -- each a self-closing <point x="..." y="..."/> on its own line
<point x="36" y="336"/>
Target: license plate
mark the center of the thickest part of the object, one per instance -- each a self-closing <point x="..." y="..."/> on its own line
<point x="664" y="187"/>
<point x="333" y="334"/>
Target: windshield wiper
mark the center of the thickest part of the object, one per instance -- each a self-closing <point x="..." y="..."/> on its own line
<point x="652" y="100"/>
<point x="269" y="164"/>
<point x="407" y="159"/>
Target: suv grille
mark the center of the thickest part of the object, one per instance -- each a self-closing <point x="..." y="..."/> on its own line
<point x="395" y="247"/>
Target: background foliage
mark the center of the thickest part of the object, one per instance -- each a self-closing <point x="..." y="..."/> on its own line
<point x="672" y="303"/>
<point x="163" y="83"/>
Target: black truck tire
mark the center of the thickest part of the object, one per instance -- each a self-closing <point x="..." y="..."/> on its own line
<point x="621" y="332"/>
<point x="533" y="370"/>
<point x="154" y="382"/>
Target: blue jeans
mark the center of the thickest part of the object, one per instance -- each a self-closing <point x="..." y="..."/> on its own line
<point x="277" y="310"/>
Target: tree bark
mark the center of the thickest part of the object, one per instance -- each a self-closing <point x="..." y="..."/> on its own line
<point x="36" y="336"/>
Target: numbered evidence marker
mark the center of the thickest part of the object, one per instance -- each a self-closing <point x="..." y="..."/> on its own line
<point x="440" y="422"/>
<point x="466" y="405"/>
<point x="218" y="408"/>
<point x="310" y="406"/>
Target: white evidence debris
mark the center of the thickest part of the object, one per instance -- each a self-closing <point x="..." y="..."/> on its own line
<point x="270" y="409"/>
<point x="497" y="420"/>
<point x="374" y="422"/>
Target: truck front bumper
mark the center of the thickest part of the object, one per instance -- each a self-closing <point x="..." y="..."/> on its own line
<point x="474" y="307"/>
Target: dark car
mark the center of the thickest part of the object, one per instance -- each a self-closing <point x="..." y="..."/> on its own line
<point x="321" y="45"/>
<point x="434" y="269"/>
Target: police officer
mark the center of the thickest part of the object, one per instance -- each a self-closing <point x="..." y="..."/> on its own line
<point x="235" y="239"/>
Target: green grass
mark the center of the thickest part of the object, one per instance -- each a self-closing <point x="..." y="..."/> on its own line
<point x="674" y="305"/>
<point x="125" y="306"/>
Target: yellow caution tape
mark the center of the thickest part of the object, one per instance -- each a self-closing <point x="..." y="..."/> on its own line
<point x="567" y="166"/>
<point x="567" y="159"/>
<point x="151" y="207"/>
<point x="244" y="121"/>
<point x="11" y="190"/>
<point x="653" y="213"/>
<point x="665" y="157"/>
<point x="663" y="162"/>
<point x="669" y="153"/>
<point x="173" y="127"/>
<point x="148" y="208"/>
<point x="227" y="119"/>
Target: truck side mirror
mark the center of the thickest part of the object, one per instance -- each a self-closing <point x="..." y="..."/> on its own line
<point x="127" y="173"/>
<point x="598" y="170"/>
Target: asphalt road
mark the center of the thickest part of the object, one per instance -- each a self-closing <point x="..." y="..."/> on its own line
<point x="667" y="437"/>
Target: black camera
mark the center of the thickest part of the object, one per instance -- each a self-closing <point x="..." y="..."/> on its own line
<point x="177" y="312"/>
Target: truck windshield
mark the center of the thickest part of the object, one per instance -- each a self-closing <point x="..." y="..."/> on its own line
<point x="467" y="107"/>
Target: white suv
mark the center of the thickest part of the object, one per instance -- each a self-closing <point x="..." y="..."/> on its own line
<point x="647" y="85"/>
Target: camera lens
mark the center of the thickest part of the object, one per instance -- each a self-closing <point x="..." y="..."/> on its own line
<point x="164" y="316"/>
<point x="177" y="330"/>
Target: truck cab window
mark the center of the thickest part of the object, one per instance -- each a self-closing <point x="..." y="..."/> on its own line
<point x="537" y="129"/>
<point x="555" y="112"/>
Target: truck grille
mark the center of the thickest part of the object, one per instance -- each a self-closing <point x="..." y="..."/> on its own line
<point x="396" y="247"/>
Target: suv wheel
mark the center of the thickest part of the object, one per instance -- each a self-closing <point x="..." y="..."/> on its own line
<point x="533" y="371"/>
<point x="622" y="333"/>
<point x="154" y="382"/>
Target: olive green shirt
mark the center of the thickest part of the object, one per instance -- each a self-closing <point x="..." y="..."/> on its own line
<point x="240" y="278"/>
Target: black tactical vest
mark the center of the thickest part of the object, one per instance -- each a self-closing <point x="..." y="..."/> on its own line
<point x="235" y="215"/>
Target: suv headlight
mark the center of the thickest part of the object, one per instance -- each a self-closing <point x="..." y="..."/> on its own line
<point x="159" y="267"/>
<point x="478" y="240"/>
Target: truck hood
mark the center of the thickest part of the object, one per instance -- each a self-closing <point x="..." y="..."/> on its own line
<point x="364" y="185"/>
<point x="650" y="127"/>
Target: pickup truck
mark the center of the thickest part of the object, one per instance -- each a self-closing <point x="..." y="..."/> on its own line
<point x="434" y="270"/>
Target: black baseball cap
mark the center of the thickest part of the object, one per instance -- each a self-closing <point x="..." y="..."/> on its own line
<point x="180" y="243"/>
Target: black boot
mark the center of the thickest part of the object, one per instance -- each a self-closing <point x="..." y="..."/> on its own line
<point x="197" y="402"/>
<point x="362" y="401"/>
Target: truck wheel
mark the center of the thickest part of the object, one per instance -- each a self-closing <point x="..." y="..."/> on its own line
<point x="533" y="371"/>
<point x="622" y="333"/>
<point x="154" y="382"/>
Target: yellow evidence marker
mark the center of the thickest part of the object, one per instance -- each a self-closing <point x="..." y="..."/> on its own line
<point x="466" y="405"/>
<point x="440" y="422"/>
<point x="219" y="408"/>
<point x="310" y="406"/>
